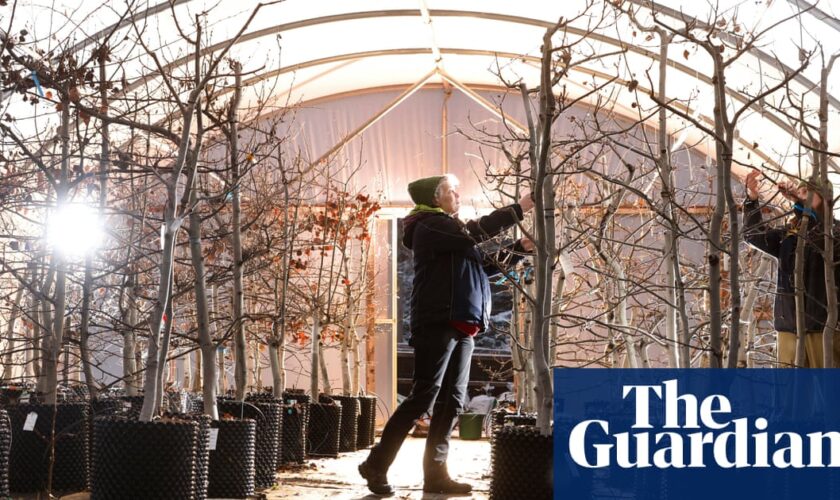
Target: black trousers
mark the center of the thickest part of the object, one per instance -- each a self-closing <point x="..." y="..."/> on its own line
<point x="441" y="373"/>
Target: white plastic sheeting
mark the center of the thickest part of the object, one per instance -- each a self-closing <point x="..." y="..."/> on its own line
<point x="304" y="50"/>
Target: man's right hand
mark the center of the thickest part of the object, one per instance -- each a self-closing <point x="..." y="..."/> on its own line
<point x="751" y="183"/>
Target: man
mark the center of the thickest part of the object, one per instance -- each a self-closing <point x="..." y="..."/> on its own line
<point x="781" y="244"/>
<point x="450" y="304"/>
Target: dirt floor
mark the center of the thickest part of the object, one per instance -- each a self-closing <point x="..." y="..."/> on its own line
<point x="338" y="479"/>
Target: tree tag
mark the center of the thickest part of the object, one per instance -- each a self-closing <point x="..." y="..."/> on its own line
<point x="24" y="398"/>
<point x="214" y="436"/>
<point x="29" y="424"/>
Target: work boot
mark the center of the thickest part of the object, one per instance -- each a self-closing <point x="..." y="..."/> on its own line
<point x="377" y="481"/>
<point x="442" y="484"/>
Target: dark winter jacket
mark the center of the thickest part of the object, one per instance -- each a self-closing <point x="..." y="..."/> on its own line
<point x="450" y="271"/>
<point x="781" y="244"/>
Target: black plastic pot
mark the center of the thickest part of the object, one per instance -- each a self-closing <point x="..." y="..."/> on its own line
<point x="29" y="457"/>
<point x="5" y="444"/>
<point x="269" y="430"/>
<point x="107" y="407"/>
<point x="516" y="419"/>
<point x="10" y="395"/>
<point x="350" y="411"/>
<point x="202" y="451"/>
<point x="324" y="431"/>
<point x="232" y="462"/>
<point x="267" y="397"/>
<point x="298" y="397"/>
<point x="135" y="405"/>
<point x="293" y="449"/>
<point x="197" y="405"/>
<point x="133" y="459"/>
<point x="367" y="422"/>
<point x="497" y="420"/>
<point x="522" y="464"/>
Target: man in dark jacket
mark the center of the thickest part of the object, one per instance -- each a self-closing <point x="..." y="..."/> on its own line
<point x="450" y="304"/>
<point x="781" y="244"/>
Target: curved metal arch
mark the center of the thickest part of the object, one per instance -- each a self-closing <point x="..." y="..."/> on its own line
<point x="489" y="87"/>
<point x="817" y="13"/>
<point x="647" y="4"/>
<point x="434" y="13"/>
<point x="508" y="55"/>
<point x="757" y="53"/>
<point x="441" y="13"/>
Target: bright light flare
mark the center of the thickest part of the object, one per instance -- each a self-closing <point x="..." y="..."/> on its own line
<point x="75" y="230"/>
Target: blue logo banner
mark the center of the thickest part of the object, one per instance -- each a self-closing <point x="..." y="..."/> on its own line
<point x="696" y="434"/>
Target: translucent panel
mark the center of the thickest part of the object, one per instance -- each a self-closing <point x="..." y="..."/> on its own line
<point x="303" y="50"/>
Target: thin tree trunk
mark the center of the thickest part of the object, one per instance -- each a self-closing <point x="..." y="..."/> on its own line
<point x="197" y="377"/>
<point x="540" y="154"/>
<point x="239" y="343"/>
<point x="325" y="374"/>
<point x="186" y="377"/>
<point x="621" y="312"/>
<point x="799" y="287"/>
<point x="131" y="374"/>
<point x="8" y="361"/>
<point x="349" y="330"/>
<point x="315" y="355"/>
<point x="151" y="385"/>
<point x="715" y="230"/>
<point x="276" y="348"/>
<point x="221" y="380"/>
<point x="746" y="353"/>
<point x="827" y="193"/>
<point x="43" y="345"/>
<point x="163" y="372"/>
<point x="256" y="367"/>
<point x="60" y="299"/>
<point x="670" y="250"/>
<point x="526" y="354"/>
<point x="84" y="328"/>
<point x="104" y="158"/>
<point x="734" y="257"/>
<point x="30" y="369"/>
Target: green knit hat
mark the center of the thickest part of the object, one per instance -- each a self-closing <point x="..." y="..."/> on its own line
<point x="422" y="191"/>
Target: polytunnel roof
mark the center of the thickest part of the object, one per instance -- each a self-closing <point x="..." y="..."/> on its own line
<point x="310" y="51"/>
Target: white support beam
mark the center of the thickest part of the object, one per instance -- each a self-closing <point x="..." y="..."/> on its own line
<point x="427" y="19"/>
<point x="484" y="103"/>
<point x="376" y="117"/>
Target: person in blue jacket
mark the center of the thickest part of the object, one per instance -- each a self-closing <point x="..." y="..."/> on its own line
<point x="781" y="242"/>
<point x="450" y="304"/>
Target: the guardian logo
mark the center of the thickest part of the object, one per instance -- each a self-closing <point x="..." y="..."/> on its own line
<point x="693" y="430"/>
